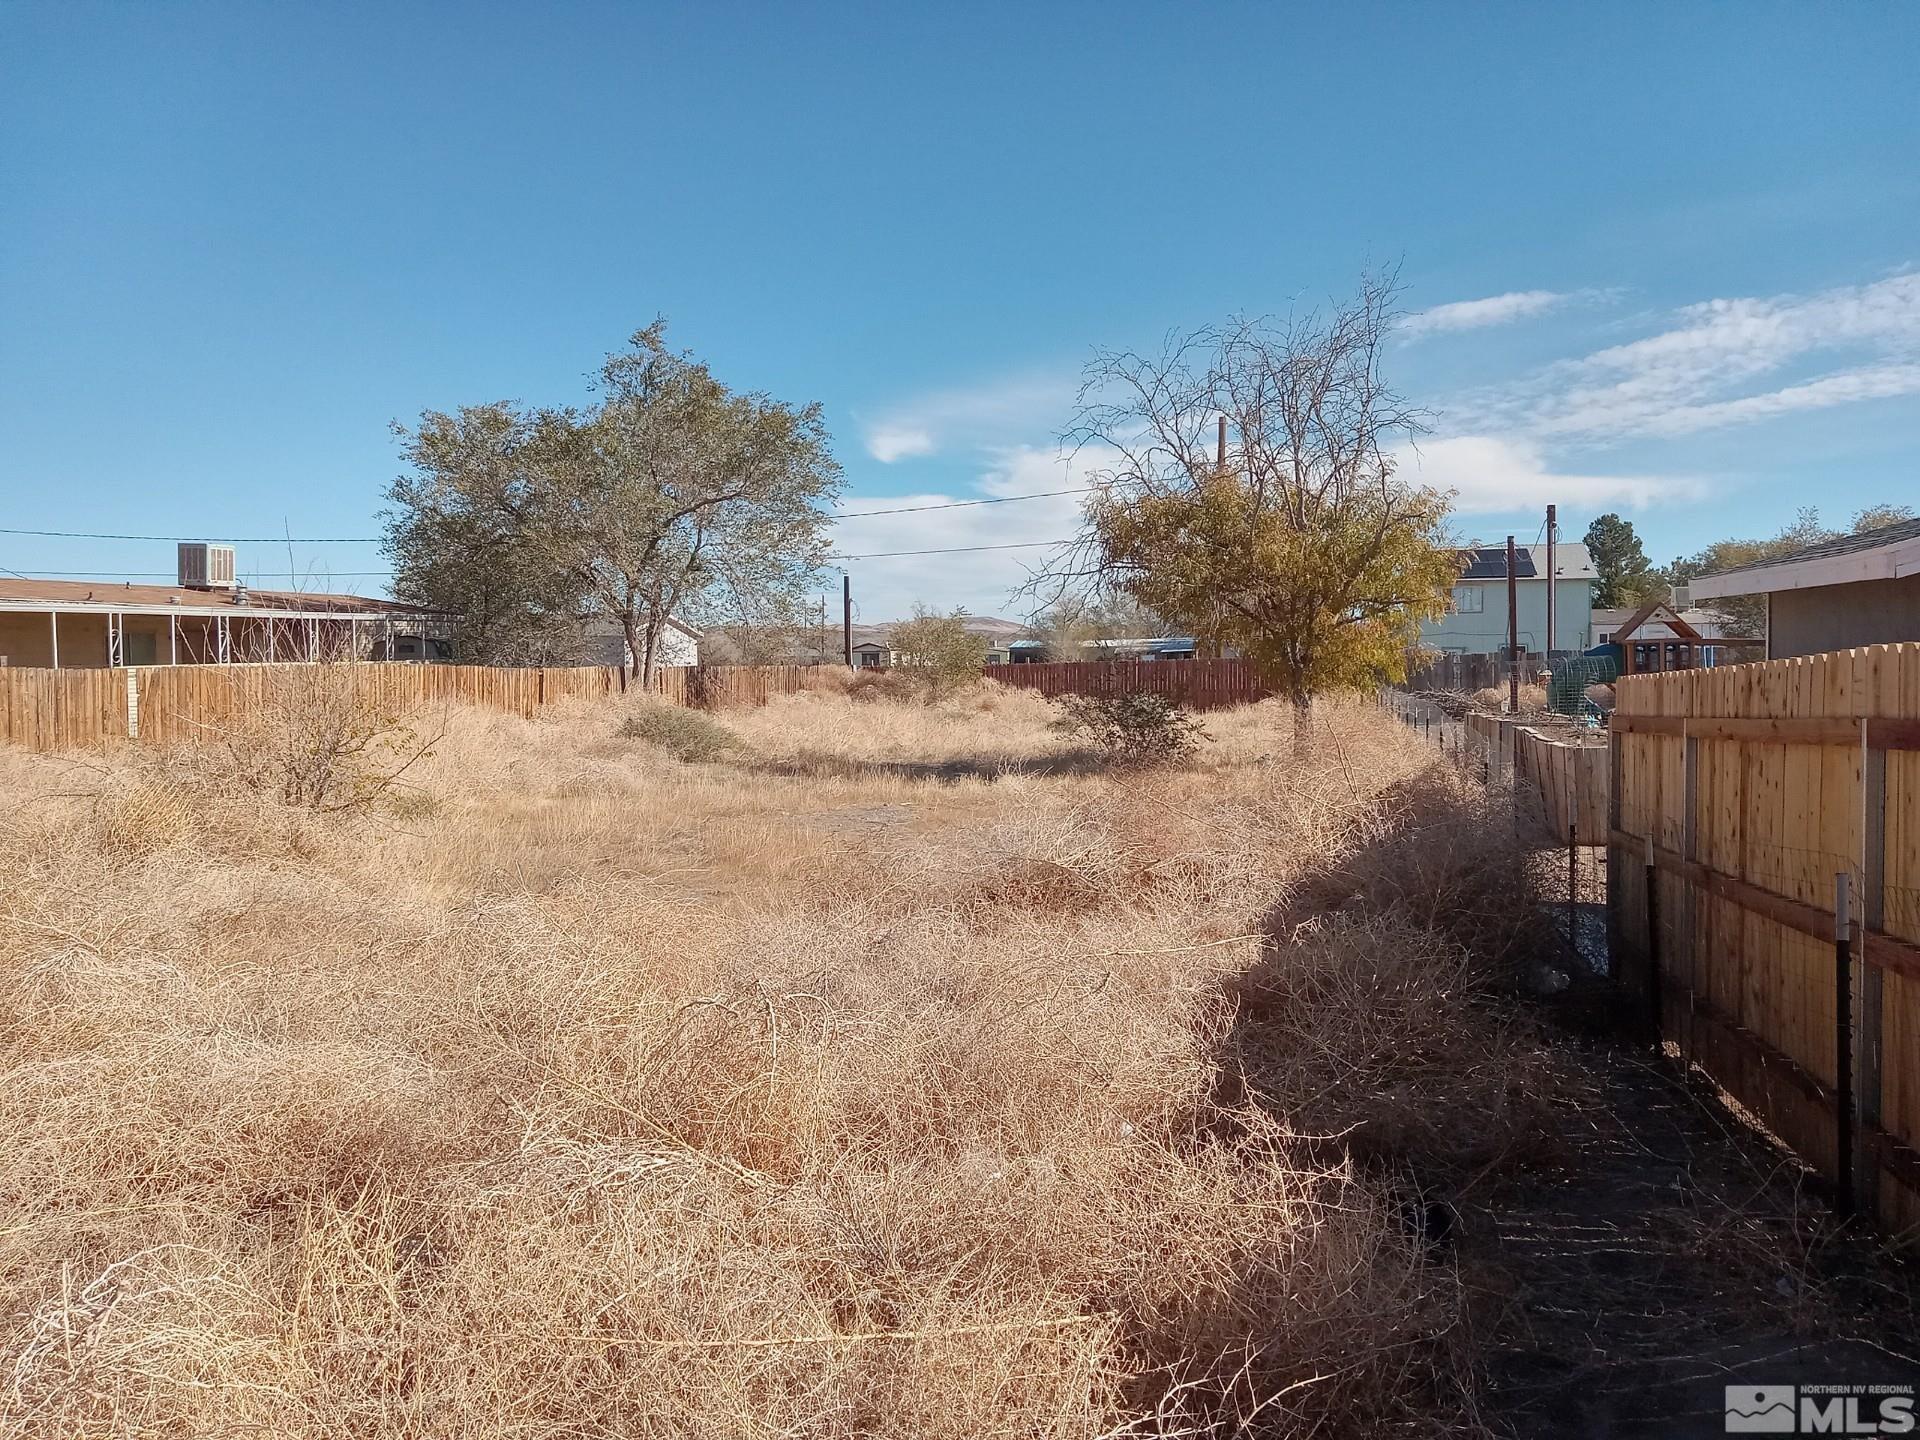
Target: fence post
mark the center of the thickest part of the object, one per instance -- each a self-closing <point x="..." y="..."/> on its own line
<point x="1654" y="985"/>
<point x="1866" y="1044"/>
<point x="1842" y="1045"/>
<point x="1573" y="887"/>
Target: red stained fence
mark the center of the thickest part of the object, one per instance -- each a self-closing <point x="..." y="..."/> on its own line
<point x="1197" y="684"/>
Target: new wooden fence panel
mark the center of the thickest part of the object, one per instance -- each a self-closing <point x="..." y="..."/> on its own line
<point x="1750" y="991"/>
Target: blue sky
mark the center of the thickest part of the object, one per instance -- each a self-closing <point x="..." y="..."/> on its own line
<point x="1661" y="256"/>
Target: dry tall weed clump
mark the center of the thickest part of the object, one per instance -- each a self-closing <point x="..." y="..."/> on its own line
<point x="919" y="1094"/>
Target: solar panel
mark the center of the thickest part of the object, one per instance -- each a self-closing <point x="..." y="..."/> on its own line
<point x="1490" y="563"/>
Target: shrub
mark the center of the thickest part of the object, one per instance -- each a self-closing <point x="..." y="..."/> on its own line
<point x="314" y="736"/>
<point x="873" y="687"/>
<point x="938" y="652"/>
<point x="1133" y="729"/>
<point x="687" y="735"/>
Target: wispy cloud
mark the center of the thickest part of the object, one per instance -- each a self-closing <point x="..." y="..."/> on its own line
<point x="1492" y="310"/>
<point x="972" y="416"/>
<point x="982" y="580"/>
<point x="1492" y="474"/>
<point x="1724" y="362"/>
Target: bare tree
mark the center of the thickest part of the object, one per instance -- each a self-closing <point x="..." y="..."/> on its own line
<point x="1291" y="537"/>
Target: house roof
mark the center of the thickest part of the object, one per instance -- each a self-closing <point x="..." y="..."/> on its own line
<point x="24" y="594"/>
<point x="1489" y="562"/>
<point x="1667" y="615"/>
<point x="1888" y="553"/>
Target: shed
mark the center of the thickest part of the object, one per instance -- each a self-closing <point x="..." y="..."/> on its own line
<point x="1852" y="590"/>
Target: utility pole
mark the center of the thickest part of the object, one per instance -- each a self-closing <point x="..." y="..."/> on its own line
<point x="1553" y="583"/>
<point x="1513" y="631"/>
<point x="846" y="618"/>
<point x="1221" y="463"/>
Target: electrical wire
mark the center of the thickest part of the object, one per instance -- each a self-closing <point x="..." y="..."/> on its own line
<point x="376" y="539"/>
<point x="379" y="574"/>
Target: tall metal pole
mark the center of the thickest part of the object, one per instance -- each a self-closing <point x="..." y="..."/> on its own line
<point x="846" y="618"/>
<point x="1513" y="631"/>
<point x="1221" y="461"/>
<point x="1553" y="582"/>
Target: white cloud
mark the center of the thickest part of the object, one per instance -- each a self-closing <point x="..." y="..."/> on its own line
<point x="1493" y="310"/>
<point x="1491" y="474"/>
<point x="979" y="415"/>
<point x="982" y="580"/>
<point x="888" y="443"/>
<point x="1725" y="362"/>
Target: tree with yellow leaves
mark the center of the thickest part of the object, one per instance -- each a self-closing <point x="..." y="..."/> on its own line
<point x="1286" y="533"/>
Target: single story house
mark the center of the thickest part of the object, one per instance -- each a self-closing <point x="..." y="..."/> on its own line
<point x="1476" y="618"/>
<point x="92" y="624"/>
<point x="606" y="644"/>
<point x="1146" y="647"/>
<point x="873" y="648"/>
<point x="1853" y="590"/>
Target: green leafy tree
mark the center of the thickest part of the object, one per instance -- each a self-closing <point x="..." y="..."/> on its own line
<point x="938" y="651"/>
<point x="1626" y="577"/>
<point x="511" y="605"/>
<point x="671" y="495"/>
<point x="1300" y="546"/>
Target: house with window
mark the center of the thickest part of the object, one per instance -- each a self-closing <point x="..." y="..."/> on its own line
<point x="1476" y="618"/>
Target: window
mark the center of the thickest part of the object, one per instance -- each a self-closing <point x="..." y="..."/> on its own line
<point x="1469" y="600"/>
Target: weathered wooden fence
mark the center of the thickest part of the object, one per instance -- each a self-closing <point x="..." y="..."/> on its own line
<point x="1198" y="684"/>
<point x="87" y="709"/>
<point x="724" y="685"/>
<point x="62" y="709"/>
<point x="1744" y="798"/>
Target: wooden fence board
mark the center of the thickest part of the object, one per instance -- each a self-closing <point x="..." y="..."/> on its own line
<point x="1779" y="806"/>
<point x="1197" y="684"/>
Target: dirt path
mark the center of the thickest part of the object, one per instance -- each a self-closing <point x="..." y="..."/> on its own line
<point x="1668" y="1254"/>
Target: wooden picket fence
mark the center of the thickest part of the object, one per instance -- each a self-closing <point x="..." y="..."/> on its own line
<point x="62" y="709"/>
<point x="1197" y="684"/>
<point x="82" y="709"/>
<point x="47" y="710"/>
<point x="1745" y="797"/>
<point x="723" y="686"/>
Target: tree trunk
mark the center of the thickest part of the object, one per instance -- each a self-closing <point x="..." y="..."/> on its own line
<point x="629" y="663"/>
<point x="648" y="664"/>
<point x="1302" y="702"/>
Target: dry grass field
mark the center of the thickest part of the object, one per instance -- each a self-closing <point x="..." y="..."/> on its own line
<point x="890" y="1071"/>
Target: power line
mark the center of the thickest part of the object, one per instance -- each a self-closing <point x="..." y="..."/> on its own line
<point x="169" y="575"/>
<point x="951" y="550"/>
<point x="962" y="504"/>
<point x="381" y="574"/>
<point x="378" y="539"/>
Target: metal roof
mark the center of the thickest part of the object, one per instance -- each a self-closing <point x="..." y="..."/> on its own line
<point x="1839" y="545"/>
<point x="21" y="594"/>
